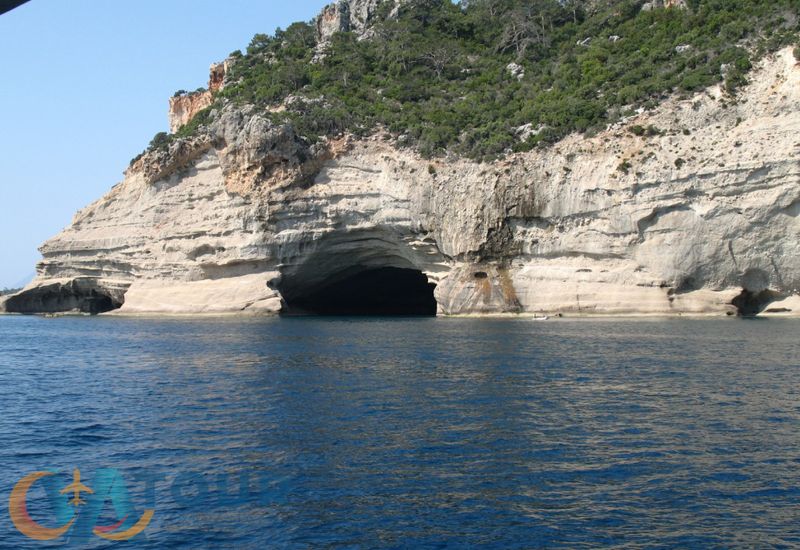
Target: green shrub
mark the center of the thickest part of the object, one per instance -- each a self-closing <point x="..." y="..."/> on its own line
<point x="734" y="80"/>
<point x="160" y="141"/>
<point x="191" y="127"/>
<point x="436" y="72"/>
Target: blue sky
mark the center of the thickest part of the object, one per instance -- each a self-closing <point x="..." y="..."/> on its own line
<point x="84" y="87"/>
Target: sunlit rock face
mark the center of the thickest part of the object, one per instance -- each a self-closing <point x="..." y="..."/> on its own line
<point x="656" y="4"/>
<point x="355" y="16"/>
<point x="184" y="107"/>
<point x="702" y="219"/>
<point x="333" y="18"/>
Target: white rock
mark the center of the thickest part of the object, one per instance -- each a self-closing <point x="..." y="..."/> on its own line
<point x="516" y="71"/>
<point x="556" y="230"/>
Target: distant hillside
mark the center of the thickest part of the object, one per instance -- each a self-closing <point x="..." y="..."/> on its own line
<point x="482" y="78"/>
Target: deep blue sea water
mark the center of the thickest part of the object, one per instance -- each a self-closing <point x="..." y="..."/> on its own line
<point x="363" y="433"/>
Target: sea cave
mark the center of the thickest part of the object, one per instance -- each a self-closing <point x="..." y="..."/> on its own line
<point x="378" y="291"/>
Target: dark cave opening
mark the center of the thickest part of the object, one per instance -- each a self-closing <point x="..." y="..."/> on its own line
<point x="750" y="304"/>
<point x="75" y="296"/>
<point x="377" y="291"/>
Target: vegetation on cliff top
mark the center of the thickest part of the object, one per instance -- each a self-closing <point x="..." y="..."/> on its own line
<point x="483" y="77"/>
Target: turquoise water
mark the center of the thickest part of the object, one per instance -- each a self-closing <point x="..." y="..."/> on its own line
<point x="407" y="432"/>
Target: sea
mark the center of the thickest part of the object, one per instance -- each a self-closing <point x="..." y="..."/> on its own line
<point x="370" y="432"/>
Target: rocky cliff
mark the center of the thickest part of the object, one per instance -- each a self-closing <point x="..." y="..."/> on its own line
<point x="697" y="216"/>
<point x="184" y="106"/>
<point x="348" y="16"/>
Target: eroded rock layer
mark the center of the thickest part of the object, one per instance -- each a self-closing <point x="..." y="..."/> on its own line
<point x="701" y="218"/>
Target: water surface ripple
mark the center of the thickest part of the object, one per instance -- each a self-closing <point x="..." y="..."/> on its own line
<point x="432" y="432"/>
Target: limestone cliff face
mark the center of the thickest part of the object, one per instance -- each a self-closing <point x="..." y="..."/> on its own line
<point x="184" y="107"/>
<point x="655" y="4"/>
<point x="703" y="218"/>
<point x="350" y="16"/>
<point x="344" y="16"/>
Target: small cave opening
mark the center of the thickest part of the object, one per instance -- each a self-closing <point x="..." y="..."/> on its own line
<point x="750" y="303"/>
<point x="97" y="302"/>
<point x="75" y="296"/>
<point x="383" y="291"/>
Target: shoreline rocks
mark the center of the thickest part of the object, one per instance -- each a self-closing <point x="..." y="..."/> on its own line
<point x="703" y="219"/>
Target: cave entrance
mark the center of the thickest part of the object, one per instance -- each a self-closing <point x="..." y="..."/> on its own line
<point x="368" y="291"/>
<point x="78" y="295"/>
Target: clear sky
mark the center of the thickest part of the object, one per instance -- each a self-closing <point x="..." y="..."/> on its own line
<point x="85" y="86"/>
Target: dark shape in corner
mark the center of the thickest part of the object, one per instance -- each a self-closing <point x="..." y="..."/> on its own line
<point x="8" y="5"/>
